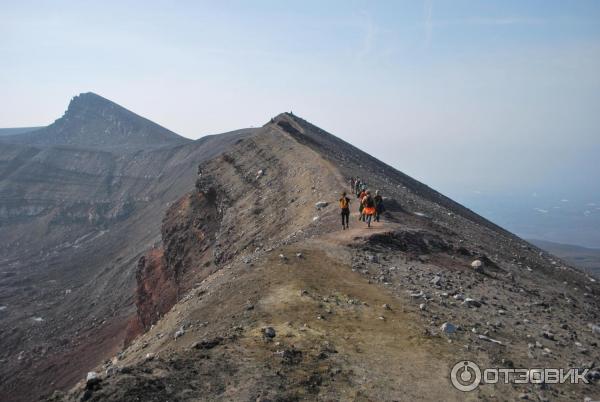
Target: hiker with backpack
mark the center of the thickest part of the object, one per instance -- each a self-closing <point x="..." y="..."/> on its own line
<point x="361" y="197"/>
<point x="368" y="208"/>
<point x="345" y="210"/>
<point x="379" y="207"/>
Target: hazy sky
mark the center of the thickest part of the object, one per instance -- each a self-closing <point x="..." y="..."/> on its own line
<point x="465" y="95"/>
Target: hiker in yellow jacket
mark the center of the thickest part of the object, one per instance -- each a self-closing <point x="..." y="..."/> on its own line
<point x="345" y="209"/>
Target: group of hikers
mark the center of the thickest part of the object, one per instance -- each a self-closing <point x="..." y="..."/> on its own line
<point x="369" y="207"/>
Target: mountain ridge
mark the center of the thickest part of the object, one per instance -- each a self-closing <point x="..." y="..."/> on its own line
<point x="94" y="121"/>
<point x="267" y="297"/>
<point x="414" y="185"/>
<point x="220" y="272"/>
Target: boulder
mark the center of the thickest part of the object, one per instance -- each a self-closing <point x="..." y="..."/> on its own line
<point x="448" y="328"/>
<point x="417" y="295"/>
<point x="471" y="302"/>
<point x="477" y="266"/>
<point x="92" y="379"/>
<point x="269" y="332"/>
<point x="488" y="339"/>
<point x="593" y="375"/>
<point x="321" y="204"/>
<point x="111" y="371"/>
<point x="207" y="343"/>
<point x="179" y="333"/>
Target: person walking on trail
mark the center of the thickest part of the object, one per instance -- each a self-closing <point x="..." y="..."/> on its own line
<point x="379" y="207"/>
<point x="357" y="185"/>
<point x="345" y="209"/>
<point x="368" y="208"/>
<point x="361" y="205"/>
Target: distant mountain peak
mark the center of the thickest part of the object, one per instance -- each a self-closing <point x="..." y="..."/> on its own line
<point x="94" y="121"/>
<point x="87" y="99"/>
<point x="91" y="105"/>
<point x="89" y="96"/>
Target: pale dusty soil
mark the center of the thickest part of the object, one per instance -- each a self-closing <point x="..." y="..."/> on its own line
<point x="374" y="358"/>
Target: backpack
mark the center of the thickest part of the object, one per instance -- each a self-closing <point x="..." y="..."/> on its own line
<point x="344" y="202"/>
<point x="369" y="202"/>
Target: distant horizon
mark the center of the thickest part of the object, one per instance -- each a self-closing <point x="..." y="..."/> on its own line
<point x="472" y="99"/>
<point x="514" y="218"/>
<point x="532" y="240"/>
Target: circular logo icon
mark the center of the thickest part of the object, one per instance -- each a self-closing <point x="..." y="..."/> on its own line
<point x="465" y="376"/>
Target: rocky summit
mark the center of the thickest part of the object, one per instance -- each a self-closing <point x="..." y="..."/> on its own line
<point x="93" y="121"/>
<point x="217" y="270"/>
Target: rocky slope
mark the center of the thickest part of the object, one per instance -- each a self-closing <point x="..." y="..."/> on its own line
<point x="253" y="293"/>
<point x="74" y="220"/>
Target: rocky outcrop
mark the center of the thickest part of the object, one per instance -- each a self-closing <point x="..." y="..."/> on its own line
<point x="162" y="274"/>
<point x="156" y="292"/>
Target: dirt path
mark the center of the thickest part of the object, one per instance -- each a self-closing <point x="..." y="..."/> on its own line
<point x="384" y="349"/>
<point x="359" y="229"/>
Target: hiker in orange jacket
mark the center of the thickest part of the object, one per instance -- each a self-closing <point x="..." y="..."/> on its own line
<point x="361" y="197"/>
<point x="368" y="208"/>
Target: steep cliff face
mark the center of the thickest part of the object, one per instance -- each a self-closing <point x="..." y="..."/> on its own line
<point x="165" y="273"/>
<point x="258" y="192"/>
